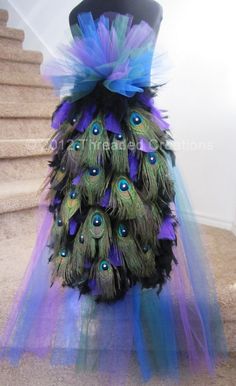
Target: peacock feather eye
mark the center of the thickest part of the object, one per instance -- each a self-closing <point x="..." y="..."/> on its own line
<point x="96" y="128"/>
<point x="123" y="185"/>
<point x="145" y="248"/>
<point x="152" y="158"/>
<point x="120" y="137"/>
<point x="76" y="145"/>
<point x="75" y="118"/>
<point x="59" y="222"/>
<point x="81" y="239"/>
<point x="73" y="195"/>
<point x="93" y="171"/>
<point x="97" y="220"/>
<point x="63" y="253"/>
<point x="122" y="230"/>
<point x="104" y="265"/>
<point x="135" y="118"/>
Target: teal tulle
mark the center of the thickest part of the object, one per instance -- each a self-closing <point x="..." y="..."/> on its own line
<point x="117" y="54"/>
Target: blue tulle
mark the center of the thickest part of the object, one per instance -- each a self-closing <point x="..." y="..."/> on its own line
<point x="199" y="270"/>
<point x="117" y="54"/>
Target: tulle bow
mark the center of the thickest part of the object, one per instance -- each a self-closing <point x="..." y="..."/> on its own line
<point x="116" y="53"/>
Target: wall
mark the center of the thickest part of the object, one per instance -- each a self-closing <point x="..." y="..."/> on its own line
<point x="200" y="98"/>
<point x="45" y="22"/>
<point x="198" y="37"/>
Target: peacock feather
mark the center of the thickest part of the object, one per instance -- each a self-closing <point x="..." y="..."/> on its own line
<point x="59" y="139"/>
<point x="140" y="263"/>
<point x="119" y="154"/>
<point x="107" y="278"/>
<point x="92" y="184"/>
<point x="58" y="176"/>
<point x="57" y="236"/>
<point x="79" y="252"/>
<point x="60" y="261"/>
<point x="70" y="204"/>
<point x="141" y="125"/>
<point x="124" y="200"/>
<point x="90" y="148"/>
<point x="96" y="232"/>
<point x="164" y="183"/>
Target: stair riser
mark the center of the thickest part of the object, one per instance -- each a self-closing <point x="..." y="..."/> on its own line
<point x="18" y="55"/>
<point x="20" y="201"/>
<point x="18" y="224"/>
<point x="23" y="148"/>
<point x="25" y="128"/>
<point x="25" y="93"/>
<point x="6" y="66"/>
<point x="27" y="110"/>
<point x="10" y="43"/>
<point x="23" y="168"/>
<point x="12" y="33"/>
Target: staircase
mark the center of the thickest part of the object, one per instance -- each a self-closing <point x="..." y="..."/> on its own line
<point x="26" y="106"/>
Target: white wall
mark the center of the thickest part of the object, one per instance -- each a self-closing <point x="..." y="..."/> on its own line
<point x="48" y="21"/>
<point x="199" y="38"/>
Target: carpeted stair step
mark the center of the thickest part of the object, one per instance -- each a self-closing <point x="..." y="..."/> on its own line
<point x="15" y="86"/>
<point x="27" y="110"/>
<point x="18" y="55"/>
<point x="10" y="37"/>
<point x="21" y="223"/>
<point x="27" y="128"/>
<point x="3" y="17"/>
<point x="19" y="195"/>
<point x="26" y="107"/>
<point x="15" y="148"/>
<point x="9" y="66"/>
<point x="24" y="168"/>
<point x="23" y="79"/>
<point x="25" y="94"/>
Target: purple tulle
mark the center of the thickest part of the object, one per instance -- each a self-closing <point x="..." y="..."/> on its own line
<point x="106" y="198"/>
<point x="115" y="256"/>
<point x="181" y="325"/>
<point x="57" y="200"/>
<point x="117" y="54"/>
<point x="157" y="115"/>
<point x="133" y="166"/>
<point x="61" y="114"/>
<point x="85" y="119"/>
<point x="112" y="124"/>
<point x="73" y="227"/>
<point x="77" y="179"/>
<point x="145" y="146"/>
<point x="167" y="230"/>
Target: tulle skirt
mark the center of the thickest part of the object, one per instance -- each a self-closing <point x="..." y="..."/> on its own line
<point x="178" y="330"/>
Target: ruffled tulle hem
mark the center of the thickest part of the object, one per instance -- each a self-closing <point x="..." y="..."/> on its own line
<point x="177" y="332"/>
